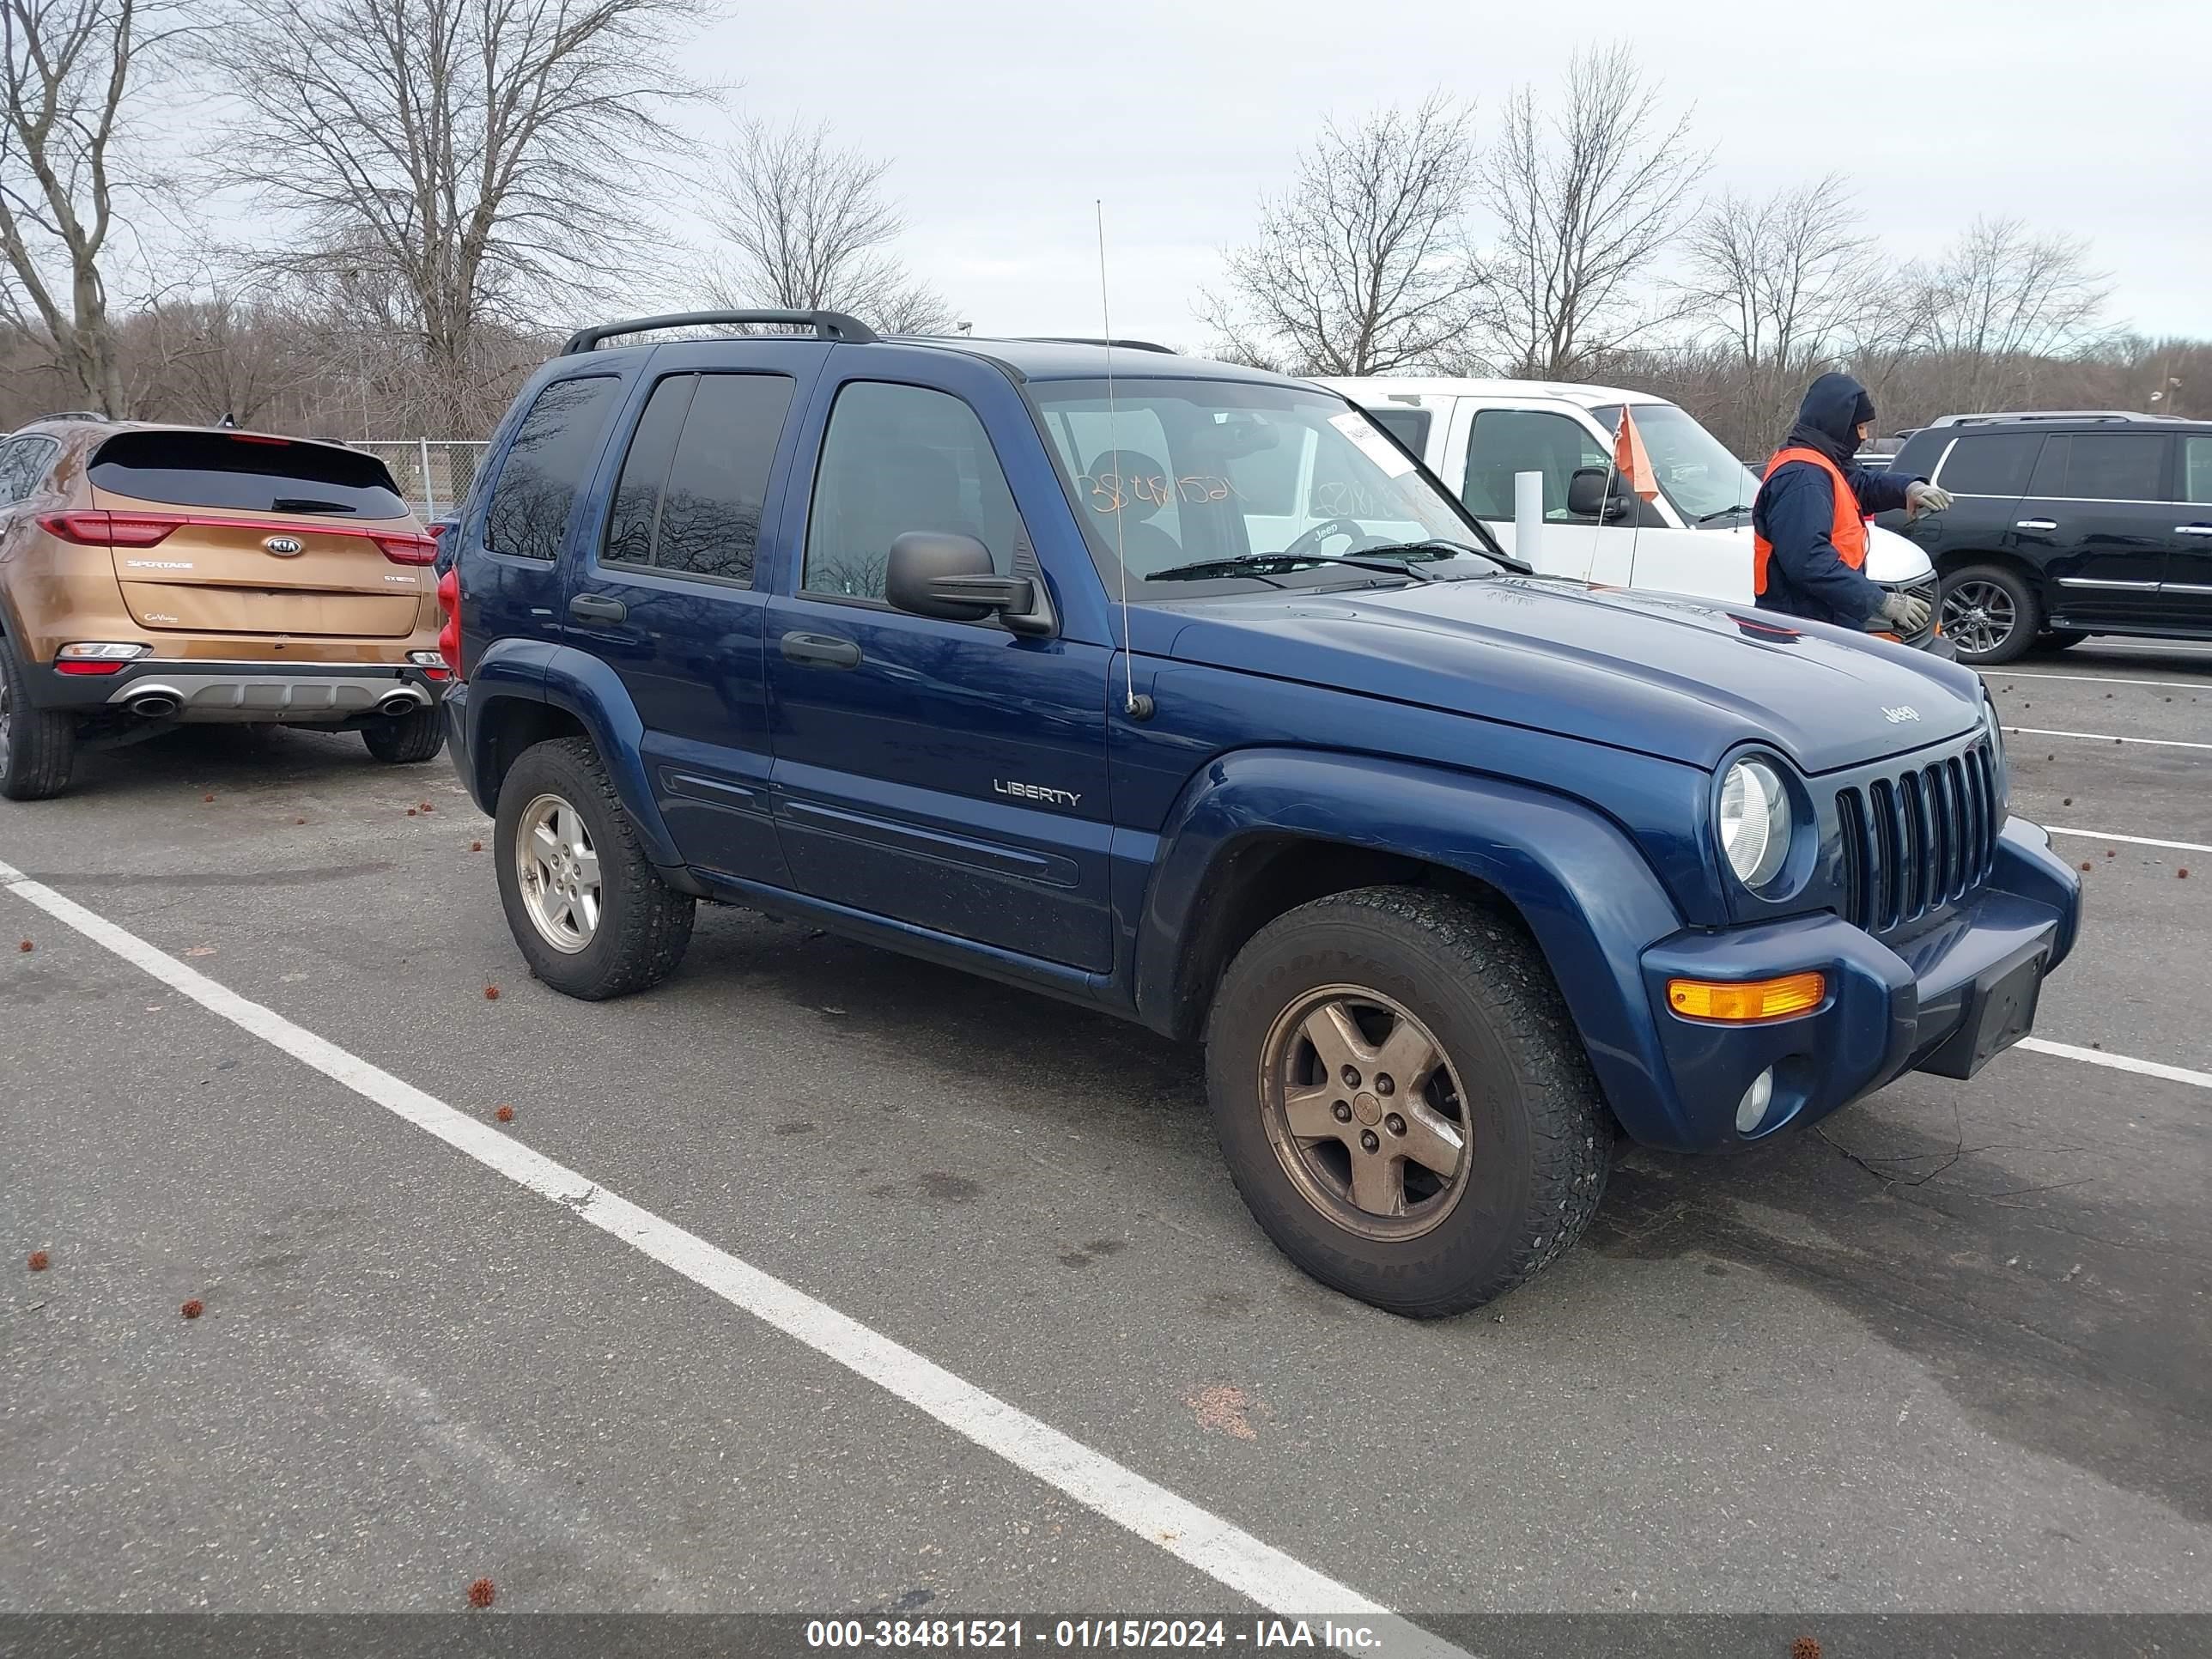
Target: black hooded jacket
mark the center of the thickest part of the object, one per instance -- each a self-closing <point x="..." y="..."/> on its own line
<point x="1794" y="510"/>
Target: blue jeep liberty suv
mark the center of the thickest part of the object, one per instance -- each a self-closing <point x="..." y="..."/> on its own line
<point x="1183" y="691"/>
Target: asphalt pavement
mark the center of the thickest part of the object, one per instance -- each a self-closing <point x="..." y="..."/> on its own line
<point x="1951" y="1351"/>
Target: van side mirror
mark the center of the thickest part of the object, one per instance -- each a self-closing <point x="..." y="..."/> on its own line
<point x="932" y="573"/>
<point x="1596" y="492"/>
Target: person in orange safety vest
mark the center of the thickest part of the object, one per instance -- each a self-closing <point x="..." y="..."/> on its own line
<point x="1809" y="518"/>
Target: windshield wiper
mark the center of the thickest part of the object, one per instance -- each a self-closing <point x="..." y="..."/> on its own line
<point x="1723" y="512"/>
<point x="1253" y="564"/>
<point x="1435" y="547"/>
<point x="1244" y="564"/>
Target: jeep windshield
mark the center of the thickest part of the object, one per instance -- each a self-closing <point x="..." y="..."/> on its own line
<point x="1699" y="476"/>
<point x="1226" y="484"/>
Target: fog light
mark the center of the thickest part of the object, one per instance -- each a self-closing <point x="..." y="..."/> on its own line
<point x="1751" y="1110"/>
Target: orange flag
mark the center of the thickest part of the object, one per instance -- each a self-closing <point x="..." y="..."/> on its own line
<point x="1629" y="459"/>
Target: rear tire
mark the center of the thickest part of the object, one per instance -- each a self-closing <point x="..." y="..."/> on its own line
<point x="1415" y="973"/>
<point x="1990" y="613"/>
<point x="591" y="915"/>
<point x="37" y="746"/>
<point x="406" y="739"/>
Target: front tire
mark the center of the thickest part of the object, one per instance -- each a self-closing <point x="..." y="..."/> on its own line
<point x="1403" y="1101"/>
<point x="1990" y="613"/>
<point x="405" y="740"/>
<point x="37" y="746"/>
<point x="588" y="910"/>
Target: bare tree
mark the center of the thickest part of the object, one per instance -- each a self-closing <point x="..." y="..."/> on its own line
<point x="2000" y="297"/>
<point x="809" y="227"/>
<point x="482" y="161"/>
<point x="1362" y="267"/>
<point x="1584" y="201"/>
<point x="71" y="68"/>
<point x="1784" y="284"/>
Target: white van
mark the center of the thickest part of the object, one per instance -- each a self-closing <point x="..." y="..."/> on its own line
<point x="1695" y="539"/>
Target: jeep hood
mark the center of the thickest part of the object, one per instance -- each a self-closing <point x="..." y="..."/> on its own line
<point x="1684" y="679"/>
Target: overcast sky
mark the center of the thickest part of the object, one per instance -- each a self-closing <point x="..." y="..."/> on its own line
<point x="1007" y="120"/>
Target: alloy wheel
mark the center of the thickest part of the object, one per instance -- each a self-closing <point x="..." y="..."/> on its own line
<point x="1365" y="1113"/>
<point x="1979" y="616"/>
<point x="559" y="873"/>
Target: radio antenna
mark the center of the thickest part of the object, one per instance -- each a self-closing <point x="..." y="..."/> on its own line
<point x="1131" y="704"/>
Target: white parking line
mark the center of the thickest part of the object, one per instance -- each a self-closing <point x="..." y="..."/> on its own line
<point x="2106" y="737"/>
<point x="2120" y="1062"/>
<point x="2132" y="840"/>
<point x="1225" y="1553"/>
<point x="2092" y="679"/>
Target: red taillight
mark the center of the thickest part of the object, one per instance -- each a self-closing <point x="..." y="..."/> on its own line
<point x="92" y="528"/>
<point x="436" y="531"/>
<point x="76" y="667"/>
<point x="449" y="635"/>
<point x="406" y="549"/>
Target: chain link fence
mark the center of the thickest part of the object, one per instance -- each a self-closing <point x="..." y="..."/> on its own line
<point x="433" y="474"/>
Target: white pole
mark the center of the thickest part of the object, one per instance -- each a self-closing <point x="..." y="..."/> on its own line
<point x="429" y="490"/>
<point x="1528" y="516"/>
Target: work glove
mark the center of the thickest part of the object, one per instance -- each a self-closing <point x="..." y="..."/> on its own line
<point x="1908" y="612"/>
<point x="1920" y="498"/>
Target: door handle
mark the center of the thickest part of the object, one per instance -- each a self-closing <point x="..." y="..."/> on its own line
<point x="597" y="607"/>
<point x="2193" y="530"/>
<point x="2036" y="524"/>
<point x="822" y="650"/>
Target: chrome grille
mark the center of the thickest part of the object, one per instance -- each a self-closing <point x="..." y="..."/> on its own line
<point x="1918" y="839"/>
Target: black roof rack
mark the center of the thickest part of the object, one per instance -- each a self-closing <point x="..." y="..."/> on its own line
<point x="826" y="325"/>
<point x="1080" y="339"/>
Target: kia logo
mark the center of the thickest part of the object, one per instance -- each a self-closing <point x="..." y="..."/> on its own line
<point x="284" y="546"/>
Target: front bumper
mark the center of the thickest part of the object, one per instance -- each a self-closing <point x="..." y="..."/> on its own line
<point x="201" y="692"/>
<point x="1919" y="1003"/>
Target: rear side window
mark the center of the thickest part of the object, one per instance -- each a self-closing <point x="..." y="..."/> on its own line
<point x="2107" y="466"/>
<point x="896" y="459"/>
<point x="2197" y="468"/>
<point x="1410" y="426"/>
<point x="557" y="440"/>
<point x="1995" y="466"/>
<point x="23" y="464"/>
<point x="697" y="474"/>
<point x="245" y="475"/>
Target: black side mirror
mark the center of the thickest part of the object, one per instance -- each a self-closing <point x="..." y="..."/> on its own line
<point x="1596" y="492"/>
<point x="932" y="573"/>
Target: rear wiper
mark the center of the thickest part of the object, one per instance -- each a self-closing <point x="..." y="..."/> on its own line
<point x="308" y="504"/>
<point x="1435" y="547"/>
<point x="1723" y="512"/>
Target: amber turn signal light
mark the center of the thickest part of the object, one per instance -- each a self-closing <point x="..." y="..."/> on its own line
<point x="1744" y="1000"/>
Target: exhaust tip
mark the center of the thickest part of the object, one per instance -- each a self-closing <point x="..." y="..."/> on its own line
<point x="154" y="705"/>
<point x="399" y="703"/>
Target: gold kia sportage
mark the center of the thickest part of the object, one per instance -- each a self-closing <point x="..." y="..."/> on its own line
<point x="153" y="575"/>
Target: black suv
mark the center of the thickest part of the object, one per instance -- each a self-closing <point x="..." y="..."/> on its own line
<point x="2062" y="528"/>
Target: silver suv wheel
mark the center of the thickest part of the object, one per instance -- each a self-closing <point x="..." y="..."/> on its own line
<point x="559" y="872"/>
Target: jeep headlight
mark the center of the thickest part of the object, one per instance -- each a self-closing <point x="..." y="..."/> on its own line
<point x="1754" y="819"/>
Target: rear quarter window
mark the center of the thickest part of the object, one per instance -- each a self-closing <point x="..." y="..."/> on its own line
<point x="1999" y="464"/>
<point x="553" y="448"/>
<point x="245" y="475"/>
